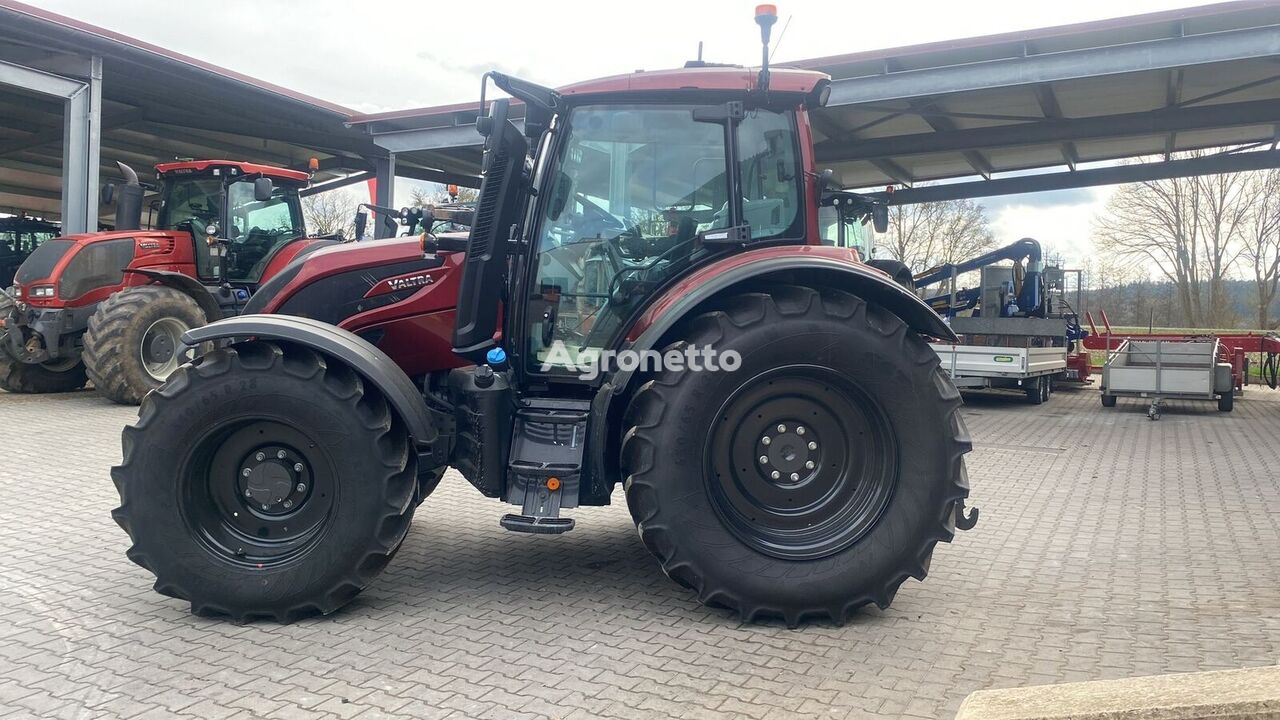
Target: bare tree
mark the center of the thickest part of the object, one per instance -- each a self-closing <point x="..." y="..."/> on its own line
<point x="1187" y="230"/>
<point x="330" y="212"/>
<point x="428" y="198"/>
<point x="1262" y="242"/>
<point x="929" y="234"/>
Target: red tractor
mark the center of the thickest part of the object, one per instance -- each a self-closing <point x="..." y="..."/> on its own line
<point x="112" y="306"/>
<point x="667" y="220"/>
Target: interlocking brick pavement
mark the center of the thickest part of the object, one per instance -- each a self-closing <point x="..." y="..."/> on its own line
<point x="1109" y="546"/>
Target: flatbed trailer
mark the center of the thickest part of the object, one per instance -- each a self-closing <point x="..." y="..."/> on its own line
<point x="1159" y="370"/>
<point x="1026" y="354"/>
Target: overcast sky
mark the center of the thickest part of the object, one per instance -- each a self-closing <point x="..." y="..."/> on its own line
<point x="391" y="54"/>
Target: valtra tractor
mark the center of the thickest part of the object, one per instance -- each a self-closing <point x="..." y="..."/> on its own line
<point x="112" y="306"/>
<point x="672" y="212"/>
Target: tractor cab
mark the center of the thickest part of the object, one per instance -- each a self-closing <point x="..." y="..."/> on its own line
<point x="238" y="213"/>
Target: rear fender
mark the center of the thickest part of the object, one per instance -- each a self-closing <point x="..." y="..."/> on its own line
<point x="337" y="344"/>
<point x="184" y="284"/>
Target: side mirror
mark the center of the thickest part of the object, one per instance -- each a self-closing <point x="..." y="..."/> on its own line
<point x="107" y="193"/>
<point x="880" y="217"/>
<point x="362" y="221"/>
<point x="262" y="189"/>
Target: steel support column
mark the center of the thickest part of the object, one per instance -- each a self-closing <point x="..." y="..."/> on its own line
<point x="384" y="170"/>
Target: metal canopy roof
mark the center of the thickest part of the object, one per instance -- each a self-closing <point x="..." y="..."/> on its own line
<point x="1041" y="100"/>
<point x="156" y="106"/>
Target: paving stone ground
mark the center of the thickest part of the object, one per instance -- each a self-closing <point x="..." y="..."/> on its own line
<point x="1109" y="546"/>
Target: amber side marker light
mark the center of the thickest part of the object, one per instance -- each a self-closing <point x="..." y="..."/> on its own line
<point x="553" y="484"/>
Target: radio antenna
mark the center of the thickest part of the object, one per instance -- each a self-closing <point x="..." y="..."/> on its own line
<point x="781" y="35"/>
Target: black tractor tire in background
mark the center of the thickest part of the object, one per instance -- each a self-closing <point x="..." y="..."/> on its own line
<point x="1108" y="400"/>
<point x="828" y="379"/>
<point x="132" y="342"/>
<point x="52" y="377"/>
<point x="265" y="481"/>
<point x="897" y="270"/>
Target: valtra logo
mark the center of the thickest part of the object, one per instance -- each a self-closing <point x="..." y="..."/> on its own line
<point x="408" y="281"/>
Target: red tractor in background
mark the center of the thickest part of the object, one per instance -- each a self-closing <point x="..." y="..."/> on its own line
<point x="670" y="213"/>
<point x="112" y="306"/>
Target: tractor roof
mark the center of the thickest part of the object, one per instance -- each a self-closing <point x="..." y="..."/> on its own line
<point x="707" y="77"/>
<point x="247" y="168"/>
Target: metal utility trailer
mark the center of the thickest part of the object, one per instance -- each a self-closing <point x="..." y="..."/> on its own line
<point x="1163" y="369"/>
<point x="1024" y="354"/>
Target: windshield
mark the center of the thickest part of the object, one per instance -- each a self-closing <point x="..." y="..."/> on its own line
<point x="841" y="230"/>
<point x="189" y="198"/>
<point x="630" y="190"/>
<point x="256" y="228"/>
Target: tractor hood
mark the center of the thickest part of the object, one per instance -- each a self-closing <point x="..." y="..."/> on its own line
<point x="75" y="264"/>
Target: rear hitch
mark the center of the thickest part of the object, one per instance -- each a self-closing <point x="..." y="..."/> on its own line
<point x="965" y="521"/>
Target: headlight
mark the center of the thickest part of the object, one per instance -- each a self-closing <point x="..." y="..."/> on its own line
<point x="42" y="291"/>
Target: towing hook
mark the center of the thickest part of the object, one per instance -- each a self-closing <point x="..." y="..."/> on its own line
<point x="965" y="521"/>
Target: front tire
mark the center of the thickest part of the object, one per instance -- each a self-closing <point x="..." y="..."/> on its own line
<point x="131" y="346"/>
<point x="52" y="377"/>
<point x="265" y="480"/>
<point x="852" y="402"/>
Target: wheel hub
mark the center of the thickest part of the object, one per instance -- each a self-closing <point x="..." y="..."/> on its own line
<point x="789" y="452"/>
<point x="159" y="348"/>
<point x="274" y="481"/>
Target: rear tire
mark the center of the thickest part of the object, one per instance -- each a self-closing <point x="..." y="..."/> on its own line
<point x="1226" y="401"/>
<point x="55" y="377"/>
<point x="132" y="342"/>
<point x="1036" y="392"/>
<point x="325" y="503"/>
<point x="885" y="436"/>
<point x="1108" y="400"/>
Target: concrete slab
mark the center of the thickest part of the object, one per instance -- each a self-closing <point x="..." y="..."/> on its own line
<point x="1248" y="694"/>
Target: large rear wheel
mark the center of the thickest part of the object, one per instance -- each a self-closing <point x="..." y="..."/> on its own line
<point x="132" y="343"/>
<point x="812" y="480"/>
<point x="265" y="481"/>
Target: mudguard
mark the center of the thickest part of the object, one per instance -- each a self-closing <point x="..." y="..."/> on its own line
<point x="185" y="284"/>
<point x="818" y="267"/>
<point x="371" y="363"/>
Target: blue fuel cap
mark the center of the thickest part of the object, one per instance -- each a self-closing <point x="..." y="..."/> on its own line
<point x="496" y="356"/>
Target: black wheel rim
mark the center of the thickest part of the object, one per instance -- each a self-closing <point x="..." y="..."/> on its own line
<point x="801" y="463"/>
<point x="257" y="492"/>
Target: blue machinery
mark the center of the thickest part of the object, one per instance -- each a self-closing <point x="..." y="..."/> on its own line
<point x="1022" y="295"/>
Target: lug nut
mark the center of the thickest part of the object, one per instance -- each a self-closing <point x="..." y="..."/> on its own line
<point x="288" y="504"/>
<point x="764" y="459"/>
<point x="795" y="476"/>
<point x="782" y="428"/>
<point x="260" y="457"/>
<point x="265" y="506"/>
<point x="766" y="440"/>
<point x="800" y="430"/>
<point x="280" y="454"/>
<point x="248" y="494"/>
<point x="808" y="464"/>
<point x="297" y="467"/>
<point x="775" y="474"/>
<point x="246" y="472"/>
<point x="302" y="487"/>
<point x="813" y="445"/>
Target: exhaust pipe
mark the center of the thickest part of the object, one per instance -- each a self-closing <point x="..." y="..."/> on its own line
<point x="128" y="200"/>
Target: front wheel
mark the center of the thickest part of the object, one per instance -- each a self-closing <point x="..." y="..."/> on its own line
<point x="265" y="481"/>
<point x="813" y="479"/>
<point x="52" y="377"/>
<point x="132" y="343"/>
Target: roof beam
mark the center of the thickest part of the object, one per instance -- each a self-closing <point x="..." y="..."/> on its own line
<point x="1048" y="101"/>
<point x="891" y="169"/>
<point x="1161" y="54"/>
<point x="1172" y="98"/>
<point x="54" y="135"/>
<point x="1158" y="122"/>
<point x="339" y="183"/>
<point x="944" y="124"/>
<point x="1137" y="172"/>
